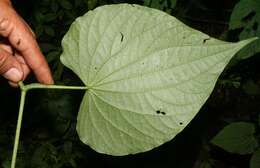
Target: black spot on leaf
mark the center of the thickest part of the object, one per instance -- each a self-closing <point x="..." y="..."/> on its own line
<point x="181" y="123"/>
<point x="122" y="37"/>
<point x="160" y="112"/>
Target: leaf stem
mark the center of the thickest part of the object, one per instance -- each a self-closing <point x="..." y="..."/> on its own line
<point x="41" y="86"/>
<point x="18" y="128"/>
<point x="24" y="89"/>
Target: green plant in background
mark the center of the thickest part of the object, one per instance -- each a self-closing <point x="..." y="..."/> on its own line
<point x="51" y="20"/>
<point x="246" y="17"/>
<point x="243" y="137"/>
<point x="240" y="138"/>
<point x="164" y="5"/>
<point x="146" y="76"/>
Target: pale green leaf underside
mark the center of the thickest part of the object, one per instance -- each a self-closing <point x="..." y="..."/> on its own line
<point x="148" y="74"/>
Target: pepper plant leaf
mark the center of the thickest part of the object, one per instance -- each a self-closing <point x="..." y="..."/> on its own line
<point x="147" y="75"/>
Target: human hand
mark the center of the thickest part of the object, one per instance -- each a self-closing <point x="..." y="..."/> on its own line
<point x="19" y="51"/>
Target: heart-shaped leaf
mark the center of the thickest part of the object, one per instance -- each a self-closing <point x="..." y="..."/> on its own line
<point x="147" y="75"/>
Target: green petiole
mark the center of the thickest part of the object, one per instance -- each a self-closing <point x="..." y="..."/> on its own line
<point x="24" y="89"/>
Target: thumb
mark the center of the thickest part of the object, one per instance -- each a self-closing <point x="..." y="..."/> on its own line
<point x="10" y="67"/>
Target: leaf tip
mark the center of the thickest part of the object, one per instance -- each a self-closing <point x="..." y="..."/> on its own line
<point x="243" y="43"/>
<point x="248" y="41"/>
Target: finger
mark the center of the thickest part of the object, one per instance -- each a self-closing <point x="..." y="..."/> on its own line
<point x="9" y="67"/>
<point x="19" y="58"/>
<point x="23" y="41"/>
<point x="28" y="27"/>
<point x="25" y="68"/>
<point x="37" y="63"/>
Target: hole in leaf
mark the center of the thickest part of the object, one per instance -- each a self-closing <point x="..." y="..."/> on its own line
<point x="181" y="123"/>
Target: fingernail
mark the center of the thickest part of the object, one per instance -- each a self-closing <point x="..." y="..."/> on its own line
<point x="13" y="74"/>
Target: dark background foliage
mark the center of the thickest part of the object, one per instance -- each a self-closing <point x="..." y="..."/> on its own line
<point x="49" y="139"/>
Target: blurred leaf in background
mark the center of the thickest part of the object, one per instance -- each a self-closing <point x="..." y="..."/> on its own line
<point x="246" y="18"/>
<point x="51" y="19"/>
<point x="237" y="138"/>
<point x="251" y="88"/>
<point x="165" y="5"/>
<point x="255" y="160"/>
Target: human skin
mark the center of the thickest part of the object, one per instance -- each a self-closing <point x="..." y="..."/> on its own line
<point x="19" y="51"/>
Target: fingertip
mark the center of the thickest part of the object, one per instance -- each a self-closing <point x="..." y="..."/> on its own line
<point x="14" y="75"/>
<point x="49" y="81"/>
